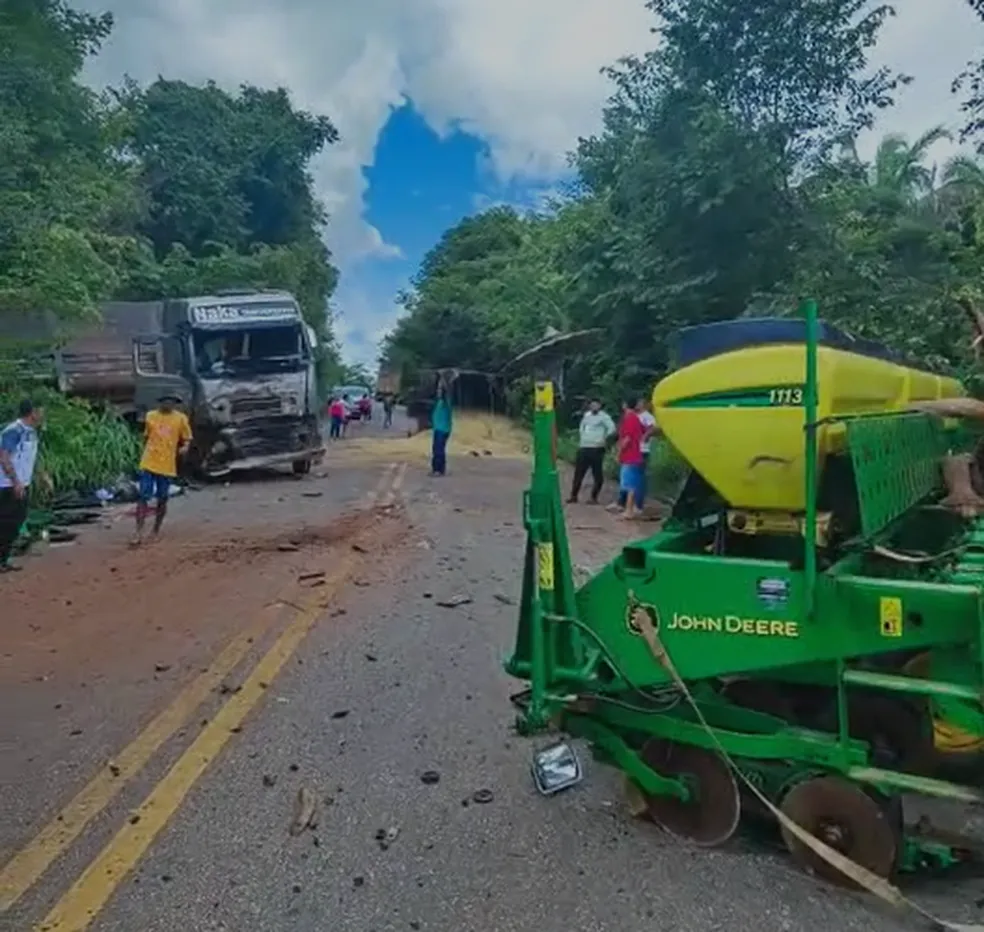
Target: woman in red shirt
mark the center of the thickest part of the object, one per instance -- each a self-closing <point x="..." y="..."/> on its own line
<point x="336" y="411"/>
<point x="631" y="433"/>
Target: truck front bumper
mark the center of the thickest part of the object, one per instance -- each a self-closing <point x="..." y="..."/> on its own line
<point x="266" y="443"/>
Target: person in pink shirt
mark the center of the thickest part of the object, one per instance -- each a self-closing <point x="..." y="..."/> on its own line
<point x="336" y="413"/>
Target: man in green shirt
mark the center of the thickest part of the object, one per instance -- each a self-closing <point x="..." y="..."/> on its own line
<point x="441" y="430"/>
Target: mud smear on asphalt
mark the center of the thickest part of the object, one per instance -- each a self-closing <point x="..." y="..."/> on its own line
<point x="107" y="612"/>
<point x="246" y="546"/>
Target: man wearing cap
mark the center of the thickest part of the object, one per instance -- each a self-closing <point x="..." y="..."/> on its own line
<point x="167" y="435"/>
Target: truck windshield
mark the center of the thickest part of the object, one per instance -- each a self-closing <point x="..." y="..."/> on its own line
<point x="248" y="352"/>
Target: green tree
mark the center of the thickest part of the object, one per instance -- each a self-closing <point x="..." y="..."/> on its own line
<point x="970" y="84"/>
<point x="725" y="182"/>
<point x="229" y="200"/>
<point x="223" y="169"/>
<point x="796" y="72"/>
<point x="61" y="190"/>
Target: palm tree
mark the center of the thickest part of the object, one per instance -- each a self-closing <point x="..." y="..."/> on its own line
<point x="961" y="195"/>
<point x="964" y="175"/>
<point x="898" y="165"/>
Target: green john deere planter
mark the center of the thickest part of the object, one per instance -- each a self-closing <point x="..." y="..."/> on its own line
<point x="802" y="638"/>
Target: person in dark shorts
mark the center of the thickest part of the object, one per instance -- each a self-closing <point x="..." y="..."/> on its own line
<point x="167" y="435"/>
<point x="18" y="457"/>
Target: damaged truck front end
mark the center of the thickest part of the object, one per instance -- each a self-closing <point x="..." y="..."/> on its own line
<point x="259" y="424"/>
<point x="244" y="365"/>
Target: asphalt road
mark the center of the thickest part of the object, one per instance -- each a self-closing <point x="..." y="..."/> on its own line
<point x="359" y="683"/>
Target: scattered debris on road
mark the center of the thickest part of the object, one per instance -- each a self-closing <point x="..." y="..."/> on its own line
<point x="386" y="836"/>
<point x="455" y="601"/>
<point x="288" y="547"/>
<point x="305" y="810"/>
<point x="430" y="777"/>
<point x="311" y="576"/>
<point x="504" y="599"/>
<point x="482" y="797"/>
<point x="269" y="780"/>
<point x="341" y="713"/>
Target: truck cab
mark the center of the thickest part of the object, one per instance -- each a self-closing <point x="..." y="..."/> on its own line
<point x="243" y="364"/>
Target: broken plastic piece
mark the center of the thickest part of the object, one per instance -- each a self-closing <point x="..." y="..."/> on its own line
<point x="556" y="768"/>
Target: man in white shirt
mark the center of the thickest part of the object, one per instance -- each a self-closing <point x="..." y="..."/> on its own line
<point x="595" y="432"/>
<point x="18" y="456"/>
<point x="649" y="425"/>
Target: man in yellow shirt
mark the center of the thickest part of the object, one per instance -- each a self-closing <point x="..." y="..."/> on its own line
<point x="167" y="435"/>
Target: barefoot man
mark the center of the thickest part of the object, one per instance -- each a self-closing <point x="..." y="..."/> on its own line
<point x="167" y="435"/>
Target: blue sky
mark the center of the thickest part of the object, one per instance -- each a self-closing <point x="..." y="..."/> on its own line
<point x="420" y="184"/>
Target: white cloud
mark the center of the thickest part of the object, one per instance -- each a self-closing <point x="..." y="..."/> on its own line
<point x="931" y="41"/>
<point x="524" y="75"/>
<point x="362" y="321"/>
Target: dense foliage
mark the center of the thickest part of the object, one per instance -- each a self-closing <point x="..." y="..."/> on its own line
<point x="970" y="83"/>
<point x="143" y="193"/>
<point x="81" y="447"/>
<point x="725" y="182"/>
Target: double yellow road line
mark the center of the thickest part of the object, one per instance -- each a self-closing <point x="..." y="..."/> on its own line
<point x="79" y="906"/>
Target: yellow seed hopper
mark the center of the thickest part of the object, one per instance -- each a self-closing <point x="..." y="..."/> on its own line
<point x="734" y="407"/>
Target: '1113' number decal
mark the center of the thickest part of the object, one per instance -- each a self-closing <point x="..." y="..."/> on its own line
<point x="786" y="396"/>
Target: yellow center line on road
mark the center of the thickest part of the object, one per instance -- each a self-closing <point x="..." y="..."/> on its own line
<point x="80" y="905"/>
<point x="29" y="864"/>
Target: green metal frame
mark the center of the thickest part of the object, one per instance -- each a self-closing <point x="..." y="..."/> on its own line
<point x="824" y="620"/>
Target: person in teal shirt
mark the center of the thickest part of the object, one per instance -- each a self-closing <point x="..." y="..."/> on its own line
<point x="441" y="430"/>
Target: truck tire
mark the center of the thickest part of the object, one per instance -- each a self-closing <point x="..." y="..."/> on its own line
<point x="301" y="467"/>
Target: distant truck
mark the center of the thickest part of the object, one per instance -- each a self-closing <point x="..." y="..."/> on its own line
<point x="242" y="363"/>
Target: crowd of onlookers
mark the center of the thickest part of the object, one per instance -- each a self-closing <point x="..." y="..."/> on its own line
<point x="341" y="409"/>
<point x="633" y="442"/>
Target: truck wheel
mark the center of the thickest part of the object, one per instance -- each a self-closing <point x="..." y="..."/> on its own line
<point x="301" y="467"/>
